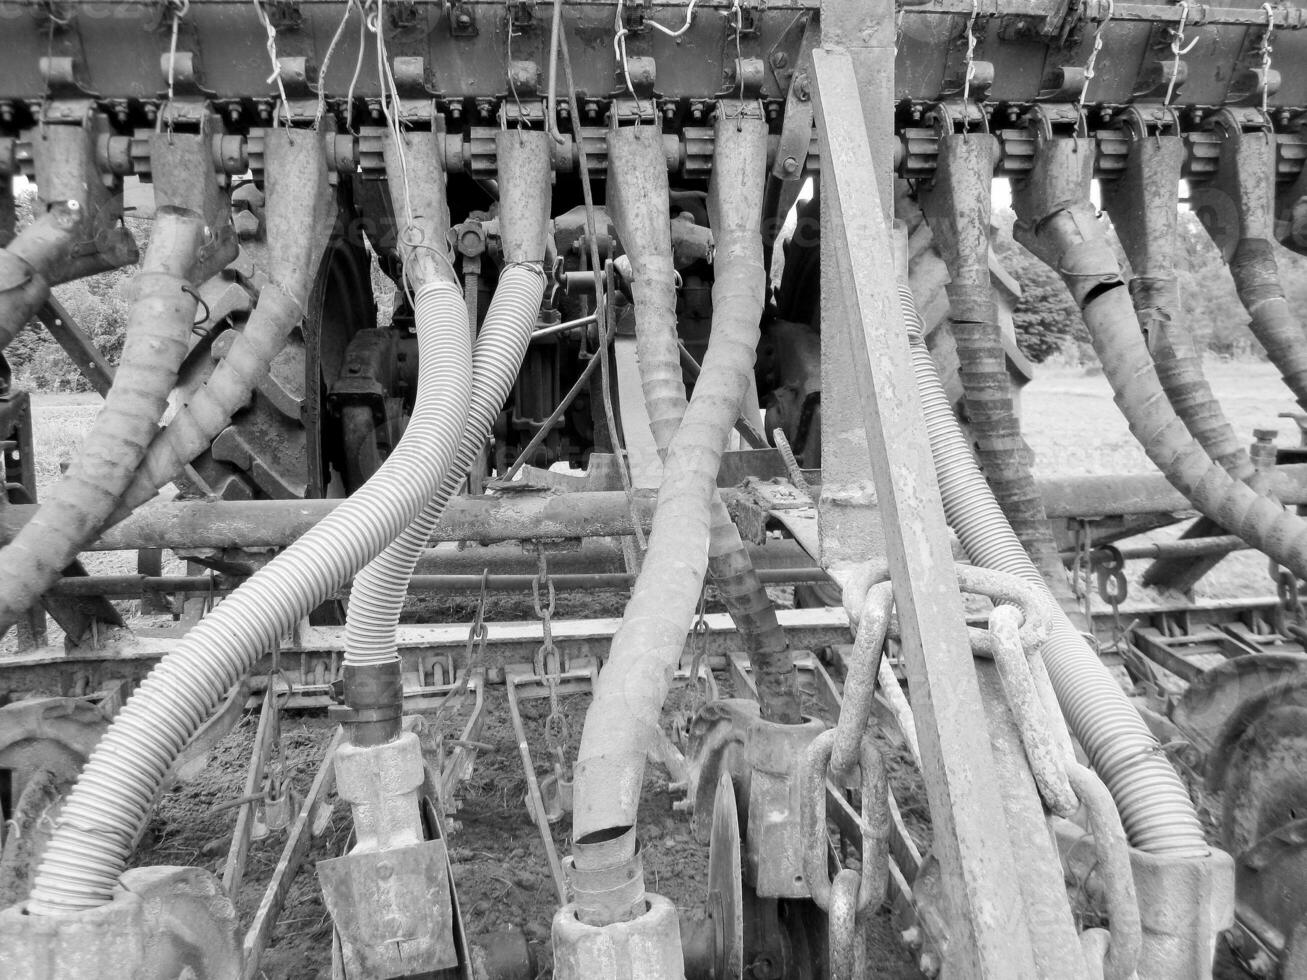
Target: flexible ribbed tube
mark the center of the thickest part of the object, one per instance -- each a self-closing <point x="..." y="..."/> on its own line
<point x="75" y="508"/>
<point x="377" y="595"/>
<point x="958" y="205"/>
<point x="1154" y="805"/>
<point x="115" y="792"/>
<point x="647" y="646"/>
<point x="30" y="262"/>
<point x="637" y="175"/>
<point x="297" y="221"/>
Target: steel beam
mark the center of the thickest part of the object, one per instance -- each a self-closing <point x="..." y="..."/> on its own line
<point x="983" y="896"/>
<point x="86" y="357"/>
<point x="314" y="653"/>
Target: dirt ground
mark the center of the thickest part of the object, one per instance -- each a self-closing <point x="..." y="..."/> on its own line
<point x="499" y="862"/>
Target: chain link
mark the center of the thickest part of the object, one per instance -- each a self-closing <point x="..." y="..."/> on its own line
<point x="549" y="664"/>
<point x="873" y="877"/>
<point x="970" y="72"/>
<point x="1093" y="58"/>
<point x="699" y="648"/>
<point x="1178" y="48"/>
<point x="1265" y="50"/>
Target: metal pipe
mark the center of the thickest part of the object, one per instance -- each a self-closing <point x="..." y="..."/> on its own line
<point x="558" y="328"/>
<point x="192" y="524"/>
<point x="1221" y="544"/>
<point x="160" y="320"/>
<point x="98" y="826"/>
<point x="135" y="586"/>
<point x="632" y="687"/>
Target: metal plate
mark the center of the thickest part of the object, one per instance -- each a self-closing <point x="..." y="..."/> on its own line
<point x="725" y="886"/>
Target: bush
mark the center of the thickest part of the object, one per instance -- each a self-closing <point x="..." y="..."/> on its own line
<point x="96" y="305"/>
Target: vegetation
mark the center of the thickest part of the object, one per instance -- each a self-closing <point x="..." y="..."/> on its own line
<point x="95" y="303"/>
<point x="1048" y="323"/>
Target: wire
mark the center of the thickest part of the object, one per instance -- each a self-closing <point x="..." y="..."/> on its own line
<point x="1093" y="57"/>
<point x="1178" y="48"/>
<point x="619" y="52"/>
<point x="689" y="19"/>
<point x="601" y="291"/>
<point x="358" y="68"/>
<point x="326" y="62"/>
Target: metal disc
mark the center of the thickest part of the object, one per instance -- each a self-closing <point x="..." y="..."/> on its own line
<point x="725" y="887"/>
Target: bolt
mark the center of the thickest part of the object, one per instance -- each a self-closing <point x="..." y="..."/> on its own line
<point x="802" y="90"/>
<point x="384" y="870"/>
<point x="464" y="20"/>
<point x="780" y="59"/>
<point x="790" y="166"/>
<point x="234" y="112"/>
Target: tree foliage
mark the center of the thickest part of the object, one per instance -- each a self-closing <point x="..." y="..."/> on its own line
<point x="95" y="303"/>
<point x="1047" y="321"/>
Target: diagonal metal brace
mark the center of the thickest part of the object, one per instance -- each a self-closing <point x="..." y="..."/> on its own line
<point x="993" y="938"/>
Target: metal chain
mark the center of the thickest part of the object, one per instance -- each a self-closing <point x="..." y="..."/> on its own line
<point x="1093" y="57"/>
<point x="549" y="660"/>
<point x="1112" y="587"/>
<point x="699" y="647"/>
<point x="276" y="63"/>
<point x="179" y="10"/>
<point x="1178" y="48"/>
<point x="873" y="877"/>
<point x="1265" y="51"/>
<point x="970" y="71"/>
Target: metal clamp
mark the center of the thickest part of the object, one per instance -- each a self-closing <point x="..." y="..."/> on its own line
<point x="875" y="824"/>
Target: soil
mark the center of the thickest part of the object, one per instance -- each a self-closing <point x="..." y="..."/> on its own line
<point x="501" y="871"/>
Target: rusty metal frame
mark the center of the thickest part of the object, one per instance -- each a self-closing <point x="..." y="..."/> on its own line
<point x="866" y="326"/>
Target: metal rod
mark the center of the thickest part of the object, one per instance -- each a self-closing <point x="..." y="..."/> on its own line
<point x="1220" y="544"/>
<point x="129" y="586"/>
<point x="558" y="328"/>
